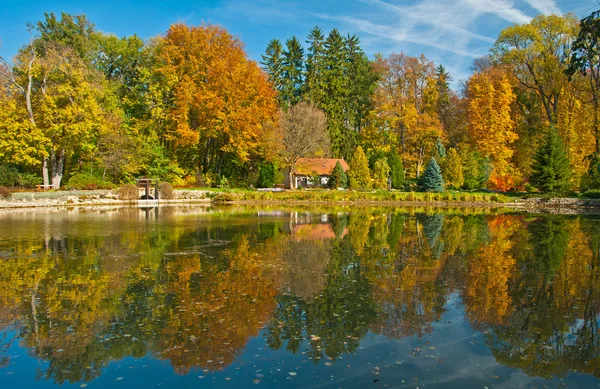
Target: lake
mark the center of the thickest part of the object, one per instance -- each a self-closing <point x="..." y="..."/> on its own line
<point x="306" y="297"/>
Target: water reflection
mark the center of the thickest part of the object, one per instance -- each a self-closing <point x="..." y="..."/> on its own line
<point x="194" y="287"/>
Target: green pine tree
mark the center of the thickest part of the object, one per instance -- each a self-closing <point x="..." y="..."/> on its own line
<point x="551" y="170"/>
<point x="396" y="170"/>
<point x="381" y="172"/>
<point x="293" y="65"/>
<point x="432" y="180"/>
<point x="339" y="178"/>
<point x="359" y="174"/>
<point x="440" y="150"/>
<point x="267" y="173"/>
<point x="272" y="64"/>
<point x="314" y="88"/>
<point x="453" y="172"/>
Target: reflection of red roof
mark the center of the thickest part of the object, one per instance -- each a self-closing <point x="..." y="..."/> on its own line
<point x="320" y="166"/>
<point x="315" y="231"/>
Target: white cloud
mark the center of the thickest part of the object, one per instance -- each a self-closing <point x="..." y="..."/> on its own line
<point x="545" y="6"/>
<point x="503" y="9"/>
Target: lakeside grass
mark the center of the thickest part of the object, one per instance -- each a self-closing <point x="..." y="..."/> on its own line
<point x="234" y="195"/>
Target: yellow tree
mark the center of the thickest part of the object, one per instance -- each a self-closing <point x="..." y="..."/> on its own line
<point x="490" y="125"/>
<point x="214" y="102"/>
<point x="405" y="105"/>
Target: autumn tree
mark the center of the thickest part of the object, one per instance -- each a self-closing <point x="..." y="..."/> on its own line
<point x="214" y="102"/>
<point x="537" y="54"/>
<point x="491" y="127"/>
<point x="405" y="106"/>
<point x="359" y="174"/>
<point x="452" y="168"/>
<point x="381" y="173"/>
<point x="304" y="134"/>
<point x="585" y="60"/>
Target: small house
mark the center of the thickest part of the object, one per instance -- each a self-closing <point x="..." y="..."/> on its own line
<point x="313" y="172"/>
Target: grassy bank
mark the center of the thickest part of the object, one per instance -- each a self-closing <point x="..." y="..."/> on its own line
<point x="233" y="195"/>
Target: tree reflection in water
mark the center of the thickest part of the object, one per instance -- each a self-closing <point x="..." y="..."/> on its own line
<point x="78" y="295"/>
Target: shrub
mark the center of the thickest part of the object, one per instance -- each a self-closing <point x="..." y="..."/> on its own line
<point x="591" y="194"/>
<point x="225" y="197"/>
<point x="5" y="193"/>
<point x="166" y="191"/>
<point x="29" y="180"/>
<point x="88" y="181"/>
<point x="128" y="192"/>
<point x="223" y="182"/>
<point x="9" y="176"/>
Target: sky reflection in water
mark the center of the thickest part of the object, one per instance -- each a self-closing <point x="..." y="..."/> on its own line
<point x="311" y="298"/>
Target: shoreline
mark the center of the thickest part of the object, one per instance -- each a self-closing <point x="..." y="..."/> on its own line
<point x="103" y="198"/>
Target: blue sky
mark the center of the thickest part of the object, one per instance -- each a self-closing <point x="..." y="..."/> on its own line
<point x="450" y="32"/>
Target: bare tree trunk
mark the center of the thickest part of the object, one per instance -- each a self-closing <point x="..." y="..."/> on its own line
<point x="45" y="172"/>
<point x="58" y="165"/>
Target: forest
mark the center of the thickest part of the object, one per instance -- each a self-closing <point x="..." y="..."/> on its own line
<point x="83" y="109"/>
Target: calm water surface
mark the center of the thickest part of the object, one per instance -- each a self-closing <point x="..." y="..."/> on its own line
<point x="298" y="298"/>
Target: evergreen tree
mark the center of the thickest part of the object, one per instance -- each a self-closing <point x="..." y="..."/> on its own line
<point x="266" y="175"/>
<point x="453" y="172"/>
<point x="272" y="64"/>
<point x="381" y="172"/>
<point x="336" y="91"/>
<point x="293" y="65"/>
<point x="551" y="170"/>
<point x="314" y="83"/>
<point x="443" y="107"/>
<point x="359" y="174"/>
<point x="339" y="178"/>
<point x="476" y="169"/>
<point x="432" y="180"/>
<point x="440" y="150"/>
<point x="396" y="170"/>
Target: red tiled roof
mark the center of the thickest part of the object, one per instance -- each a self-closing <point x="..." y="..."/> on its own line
<point x="315" y="231"/>
<point x="320" y="166"/>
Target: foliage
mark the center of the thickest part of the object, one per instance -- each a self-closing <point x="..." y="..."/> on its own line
<point x="591" y="194"/>
<point x="29" y="180"/>
<point x="476" y="169"/>
<point x="453" y="169"/>
<point x="88" y="181"/>
<point x="432" y="180"/>
<point x="585" y="59"/>
<point x="551" y="171"/>
<point x="381" y="173"/>
<point x="303" y="133"/>
<point x="267" y="172"/>
<point x="128" y="192"/>
<point x="396" y="170"/>
<point x="359" y="175"/>
<point x="339" y="178"/>
<point x="491" y="127"/>
<point x="5" y="193"/>
<point x="9" y="176"/>
<point x="166" y="191"/>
